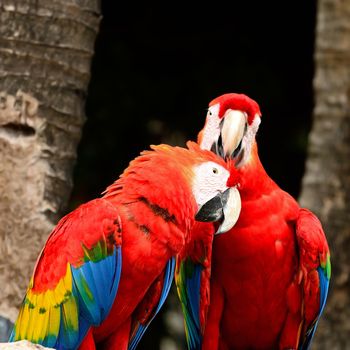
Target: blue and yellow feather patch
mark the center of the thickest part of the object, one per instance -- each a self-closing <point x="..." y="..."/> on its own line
<point x="61" y="317"/>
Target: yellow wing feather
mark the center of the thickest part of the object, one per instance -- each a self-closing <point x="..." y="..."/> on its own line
<point x="40" y="314"/>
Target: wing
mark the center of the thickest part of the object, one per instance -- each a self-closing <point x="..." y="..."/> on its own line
<point x="75" y="279"/>
<point x="192" y="277"/>
<point x="315" y="272"/>
<point x="151" y="304"/>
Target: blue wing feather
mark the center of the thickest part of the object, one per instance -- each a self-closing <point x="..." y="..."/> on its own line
<point x="188" y="281"/>
<point x="97" y="290"/>
<point x="168" y="278"/>
<point x="66" y="339"/>
<point x="324" y="286"/>
<point x="193" y="288"/>
<point x="59" y="316"/>
<point x="93" y="311"/>
<point x="92" y="296"/>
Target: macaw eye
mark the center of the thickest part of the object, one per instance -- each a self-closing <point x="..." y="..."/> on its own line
<point x="215" y="170"/>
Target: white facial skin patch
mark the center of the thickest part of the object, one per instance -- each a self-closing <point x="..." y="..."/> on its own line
<point x="210" y="179"/>
<point x="249" y="138"/>
<point x="212" y="127"/>
<point x="232" y="133"/>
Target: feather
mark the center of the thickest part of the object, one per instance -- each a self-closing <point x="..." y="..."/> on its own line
<point x="60" y="314"/>
<point x="324" y="278"/>
<point x="188" y="282"/>
<point x="141" y="328"/>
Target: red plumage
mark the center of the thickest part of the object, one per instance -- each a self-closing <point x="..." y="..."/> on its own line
<point x="266" y="290"/>
<point x="62" y="246"/>
<point x="107" y="267"/>
<point x="157" y="227"/>
<point x="237" y="102"/>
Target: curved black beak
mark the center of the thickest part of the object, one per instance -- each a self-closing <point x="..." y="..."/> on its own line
<point x="225" y="206"/>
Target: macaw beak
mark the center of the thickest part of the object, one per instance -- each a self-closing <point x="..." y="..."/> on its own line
<point x="232" y="129"/>
<point x="224" y="207"/>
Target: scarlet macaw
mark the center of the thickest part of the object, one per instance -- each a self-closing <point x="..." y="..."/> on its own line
<point x="107" y="267"/>
<point x="271" y="271"/>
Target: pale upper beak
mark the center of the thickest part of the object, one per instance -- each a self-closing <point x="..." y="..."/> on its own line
<point x="225" y="206"/>
<point x="232" y="132"/>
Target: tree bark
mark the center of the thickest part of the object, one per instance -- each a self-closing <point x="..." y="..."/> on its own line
<point x="326" y="184"/>
<point x="45" y="54"/>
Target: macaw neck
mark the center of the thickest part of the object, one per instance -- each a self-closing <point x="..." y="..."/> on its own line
<point x="255" y="182"/>
<point x="198" y="246"/>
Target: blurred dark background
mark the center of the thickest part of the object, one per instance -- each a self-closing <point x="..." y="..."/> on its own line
<point x="157" y="66"/>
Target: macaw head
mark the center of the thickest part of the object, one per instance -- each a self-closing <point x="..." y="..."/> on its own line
<point x="214" y="187"/>
<point x="187" y="184"/>
<point x="231" y="124"/>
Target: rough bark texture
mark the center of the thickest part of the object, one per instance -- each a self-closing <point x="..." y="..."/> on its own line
<point x="45" y="53"/>
<point x="326" y="185"/>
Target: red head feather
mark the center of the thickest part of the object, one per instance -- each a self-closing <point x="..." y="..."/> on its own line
<point x="238" y="102"/>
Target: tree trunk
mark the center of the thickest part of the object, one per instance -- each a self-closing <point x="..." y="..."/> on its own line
<point x="45" y="53"/>
<point x="326" y="184"/>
